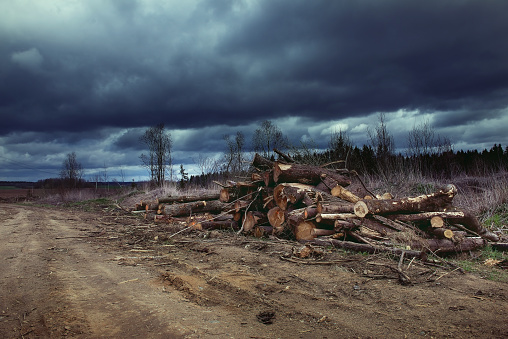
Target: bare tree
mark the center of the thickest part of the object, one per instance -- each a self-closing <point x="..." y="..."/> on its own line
<point x="234" y="154"/>
<point x="422" y="140"/>
<point x="72" y="170"/>
<point x="205" y="164"/>
<point x="158" y="160"/>
<point x="267" y="137"/>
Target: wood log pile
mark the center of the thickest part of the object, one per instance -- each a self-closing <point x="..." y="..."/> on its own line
<point x="314" y="204"/>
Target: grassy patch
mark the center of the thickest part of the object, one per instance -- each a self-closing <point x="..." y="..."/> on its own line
<point x="484" y="264"/>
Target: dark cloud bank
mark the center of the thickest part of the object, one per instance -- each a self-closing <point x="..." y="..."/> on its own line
<point x="89" y="76"/>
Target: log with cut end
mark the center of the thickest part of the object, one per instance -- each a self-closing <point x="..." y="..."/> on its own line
<point x="251" y="219"/>
<point x="438" y="201"/>
<point x="345" y="194"/>
<point x="307" y="230"/>
<point x="453" y="216"/>
<point x="305" y="174"/>
<point x="226" y="195"/>
<point x="276" y="218"/>
<point x="213" y="206"/>
<point x="334" y="207"/>
<point x="442" y="233"/>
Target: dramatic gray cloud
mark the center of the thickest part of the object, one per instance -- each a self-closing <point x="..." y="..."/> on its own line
<point x="90" y="76"/>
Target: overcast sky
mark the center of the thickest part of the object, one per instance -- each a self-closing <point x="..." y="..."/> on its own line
<point x="90" y="76"/>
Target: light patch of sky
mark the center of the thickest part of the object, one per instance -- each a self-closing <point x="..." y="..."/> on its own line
<point x="29" y="59"/>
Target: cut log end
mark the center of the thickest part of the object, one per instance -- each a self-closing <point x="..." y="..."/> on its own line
<point x="361" y="209"/>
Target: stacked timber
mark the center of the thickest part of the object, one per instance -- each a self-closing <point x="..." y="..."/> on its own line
<point x="314" y="204"/>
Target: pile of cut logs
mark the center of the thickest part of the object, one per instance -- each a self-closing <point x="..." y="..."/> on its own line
<point x="313" y="204"/>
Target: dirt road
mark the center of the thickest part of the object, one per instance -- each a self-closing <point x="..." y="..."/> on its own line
<point x="109" y="274"/>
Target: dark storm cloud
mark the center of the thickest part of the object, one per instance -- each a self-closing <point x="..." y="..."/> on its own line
<point x="228" y="61"/>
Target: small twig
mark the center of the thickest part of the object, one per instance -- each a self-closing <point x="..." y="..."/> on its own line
<point x="331" y="163"/>
<point x="296" y="261"/>
<point x="186" y="228"/>
<point x="442" y="275"/>
<point x="126" y="281"/>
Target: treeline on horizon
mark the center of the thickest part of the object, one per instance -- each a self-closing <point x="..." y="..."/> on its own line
<point x="443" y="165"/>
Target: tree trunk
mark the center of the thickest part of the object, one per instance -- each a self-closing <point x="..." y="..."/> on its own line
<point x="334" y="207"/>
<point x="305" y="174"/>
<point x="188" y="198"/>
<point x="438" y="201"/>
<point x="216" y="224"/>
<point x="262" y="163"/>
<point x="213" y="206"/>
<point x="448" y="246"/>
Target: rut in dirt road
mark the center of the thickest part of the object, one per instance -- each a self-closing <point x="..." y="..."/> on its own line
<point x="55" y="283"/>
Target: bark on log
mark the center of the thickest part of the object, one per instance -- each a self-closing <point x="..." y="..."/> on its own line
<point x="216" y="224"/>
<point x="286" y="157"/>
<point x="334" y="207"/>
<point x="213" y="206"/>
<point x="327" y="184"/>
<point x="261" y="162"/>
<point x="334" y="216"/>
<point x="438" y="201"/>
<point x="189" y="198"/>
<point x="448" y="246"/>
<point x="301" y="214"/>
<point x="305" y="174"/>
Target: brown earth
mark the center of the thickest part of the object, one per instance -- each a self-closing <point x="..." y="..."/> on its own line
<point x="108" y="273"/>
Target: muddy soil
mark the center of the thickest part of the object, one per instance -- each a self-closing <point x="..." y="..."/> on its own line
<point x="107" y="273"/>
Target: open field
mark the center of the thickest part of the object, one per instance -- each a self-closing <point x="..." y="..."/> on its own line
<point x="94" y="270"/>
